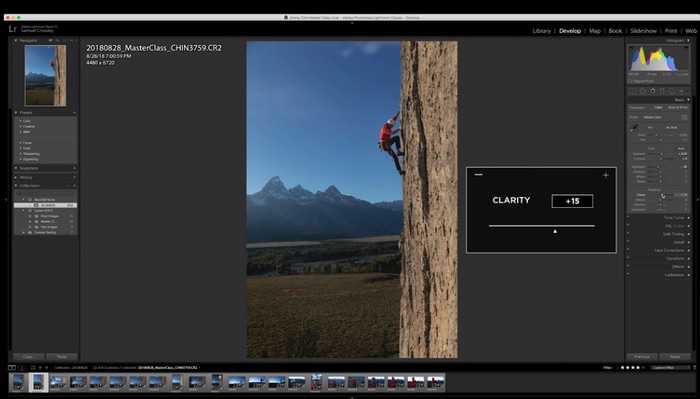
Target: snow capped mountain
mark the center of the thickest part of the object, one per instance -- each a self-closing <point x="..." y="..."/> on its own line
<point x="34" y="79"/>
<point x="275" y="187"/>
<point x="300" y="192"/>
<point x="276" y="213"/>
<point x="332" y="190"/>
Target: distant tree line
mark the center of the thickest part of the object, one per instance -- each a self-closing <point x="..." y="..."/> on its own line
<point x="290" y="261"/>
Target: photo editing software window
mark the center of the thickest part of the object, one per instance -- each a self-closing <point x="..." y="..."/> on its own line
<point x="351" y="204"/>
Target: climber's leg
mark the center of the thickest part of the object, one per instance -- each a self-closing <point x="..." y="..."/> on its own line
<point x="396" y="160"/>
<point x="397" y="142"/>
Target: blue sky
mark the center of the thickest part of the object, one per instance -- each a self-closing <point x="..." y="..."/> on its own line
<point x="38" y="59"/>
<point x="314" y="114"/>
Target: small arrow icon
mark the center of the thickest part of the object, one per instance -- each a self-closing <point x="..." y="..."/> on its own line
<point x="555" y="231"/>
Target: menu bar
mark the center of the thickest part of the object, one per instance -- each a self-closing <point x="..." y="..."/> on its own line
<point x="351" y="17"/>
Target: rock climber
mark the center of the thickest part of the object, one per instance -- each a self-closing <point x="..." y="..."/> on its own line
<point x="387" y="137"/>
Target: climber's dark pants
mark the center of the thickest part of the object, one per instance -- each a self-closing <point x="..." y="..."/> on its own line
<point x="386" y="145"/>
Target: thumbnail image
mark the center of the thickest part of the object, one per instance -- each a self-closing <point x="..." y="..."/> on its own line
<point x="97" y="381"/>
<point x="296" y="381"/>
<point x="236" y="381"/>
<point x="395" y="382"/>
<point x="256" y="382"/>
<point x="435" y="382"/>
<point x="18" y="381"/>
<point x="137" y="381"/>
<point x="117" y="381"/>
<point x="415" y="382"/>
<point x="375" y="382"/>
<point x="275" y="382"/>
<point x="38" y="382"/>
<point x="316" y="383"/>
<point x="176" y="382"/>
<point x="197" y="381"/>
<point x="216" y="381"/>
<point x="672" y="58"/>
<point x="57" y="382"/>
<point x="325" y="203"/>
<point x="78" y="381"/>
<point x="156" y="381"/>
<point x="336" y="382"/>
<point x="356" y="382"/>
<point x="45" y="75"/>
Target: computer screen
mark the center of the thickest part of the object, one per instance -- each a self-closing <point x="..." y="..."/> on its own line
<point x="352" y="204"/>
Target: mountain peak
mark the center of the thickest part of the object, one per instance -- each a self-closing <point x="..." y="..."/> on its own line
<point x="274" y="184"/>
<point x="274" y="188"/>
<point x="300" y="191"/>
<point x="332" y="190"/>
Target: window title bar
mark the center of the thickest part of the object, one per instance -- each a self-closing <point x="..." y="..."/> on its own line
<point x="351" y="17"/>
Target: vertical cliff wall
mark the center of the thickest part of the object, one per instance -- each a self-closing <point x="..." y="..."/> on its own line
<point x="59" y="66"/>
<point x="429" y="261"/>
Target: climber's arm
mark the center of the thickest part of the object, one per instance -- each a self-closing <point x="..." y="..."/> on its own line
<point x="395" y="117"/>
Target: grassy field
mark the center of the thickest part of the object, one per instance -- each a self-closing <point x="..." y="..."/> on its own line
<point x="40" y="96"/>
<point x="343" y="315"/>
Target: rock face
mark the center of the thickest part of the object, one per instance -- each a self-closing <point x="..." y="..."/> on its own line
<point x="429" y="263"/>
<point x="59" y="65"/>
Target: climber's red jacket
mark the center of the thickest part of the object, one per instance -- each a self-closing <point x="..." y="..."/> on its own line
<point x="385" y="132"/>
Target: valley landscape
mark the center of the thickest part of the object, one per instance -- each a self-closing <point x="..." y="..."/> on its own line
<point x="331" y="290"/>
<point x="39" y="89"/>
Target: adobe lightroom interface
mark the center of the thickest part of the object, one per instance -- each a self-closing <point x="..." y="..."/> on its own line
<point x="351" y="204"/>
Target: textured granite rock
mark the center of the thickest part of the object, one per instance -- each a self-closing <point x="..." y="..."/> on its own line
<point x="429" y="263"/>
